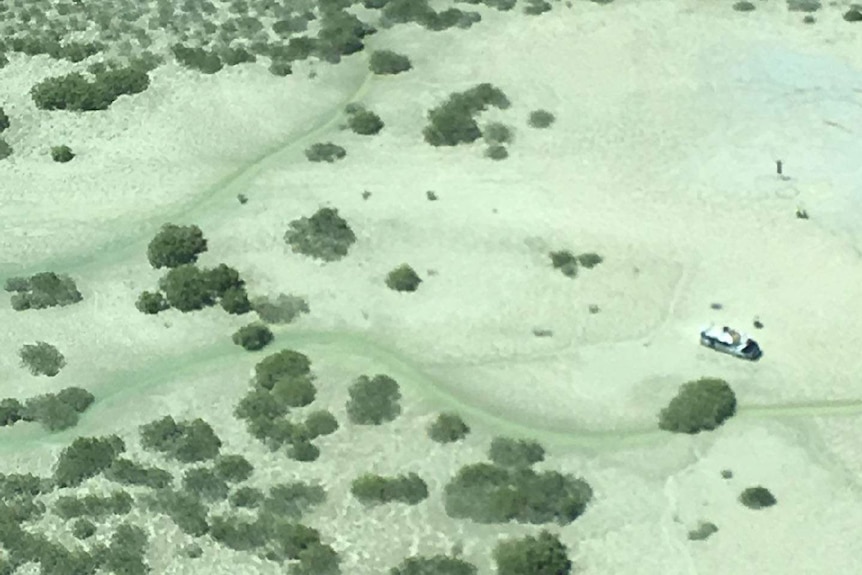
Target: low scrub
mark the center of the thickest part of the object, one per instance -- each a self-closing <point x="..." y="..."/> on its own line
<point x="325" y="235"/>
<point x="387" y="62"/>
<point x="42" y="290"/>
<point x="700" y="405"/>
<point x="283" y="310"/>
<point x="543" y="554"/>
<point x="373" y="401"/>
<point x="435" y="564"/>
<point x="94" y="506"/>
<point x="86" y="457"/>
<point x="128" y="472"/>
<point x="448" y="428"/>
<point x="74" y="92"/>
<point x="325" y="152"/>
<point x="403" y="279"/>
<point x="515" y="453"/>
<point x="42" y="358"/>
<point x="373" y="489"/>
<point x="253" y="337"/>
<point x="176" y="245"/>
<point x="757" y="497"/>
<point x="453" y="122"/>
<point x="187" y="441"/>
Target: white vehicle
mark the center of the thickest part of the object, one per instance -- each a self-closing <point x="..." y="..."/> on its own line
<point x="730" y="341"/>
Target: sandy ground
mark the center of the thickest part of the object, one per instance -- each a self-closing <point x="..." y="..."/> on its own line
<point x="670" y="117"/>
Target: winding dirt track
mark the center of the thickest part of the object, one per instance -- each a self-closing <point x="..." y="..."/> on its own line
<point x="131" y="238"/>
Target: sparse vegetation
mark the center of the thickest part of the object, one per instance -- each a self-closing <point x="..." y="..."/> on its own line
<point x="62" y="154"/>
<point x="540" y="119"/>
<point x="373" y="489"/>
<point x="387" y="62"/>
<point x="253" y="337"/>
<point x="325" y="235"/>
<point x="283" y="310"/>
<point x="544" y="554"/>
<point x="325" y="152"/>
<point x="176" y="245"/>
<point x="496" y="152"/>
<point x="373" y="401"/>
<point x="42" y="358"/>
<point x="703" y="531"/>
<point x="700" y="405"/>
<point x="448" y="428"/>
<point x="757" y="497"/>
<point x="566" y="262"/>
<point x="186" y="441"/>
<point x="43" y="290"/>
<point x="403" y="279"/>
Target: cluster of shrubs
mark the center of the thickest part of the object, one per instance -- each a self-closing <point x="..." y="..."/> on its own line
<point x="507" y="489"/>
<point x="95" y="506"/>
<point x="253" y="337"/>
<point x="325" y="235"/>
<point x="282" y="310"/>
<point x="187" y="441"/>
<point x="42" y="358"/>
<point x="282" y="381"/>
<point x="373" y="401"/>
<point x="62" y="154"/>
<point x="700" y="405"/>
<point x="448" y="428"/>
<point x="340" y="34"/>
<point x="388" y="63"/>
<point x="403" y="278"/>
<point x="128" y="472"/>
<point x="185" y="286"/>
<point x="362" y="121"/>
<point x="33" y="45"/>
<point x="568" y="263"/>
<point x="54" y="411"/>
<point x="496" y="136"/>
<point x="536" y="7"/>
<point x="371" y="489"/>
<point x="325" y="152"/>
<point x="453" y="122"/>
<point x="418" y="11"/>
<point x="86" y="457"/>
<point x="42" y="290"/>
<point x="74" y="92"/>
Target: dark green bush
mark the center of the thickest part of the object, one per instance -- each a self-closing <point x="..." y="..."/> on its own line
<point x="186" y="441"/>
<point x="233" y="468"/>
<point x="62" y="154"/>
<point x="852" y="15"/>
<point x="703" y="531"/>
<point x="319" y="423"/>
<point x="127" y="551"/>
<point x="342" y="32"/>
<point x="223" y="278"/>
<point x="203" y="61"/>
<point x="325" y="235"/>
<point x="293" y="500"/>
<point x="436" y="565"/>
<point x="175" y="245"/>
<point x="496" y="152"/>
<point x="536" y="7"/>
<point x="303" y="450"/>
<point x="83" y="528"/>
<point x="365" y="123"/>
<point x="700" y="405"/>
<point x="259" y="404"/>
<point x="77" y="398"/>
<point x="129" y="472"/>
<point x="544" y="554"/>
<point x="294" y="391"/>
<point x="373" y="401"/>
<point x="79" y="51"/>
<point x="404" y="11"/>
<point x="205" y="484"/>
<point x="450" y="18"/>
<point x="236" y="533"/>
<point x="453" y="122"/>
<point x="565" y="261"/>
<point x="289" y="26"/>
<point x="589" y="260"/>
<point x="253" y="337"/>
<point x="373" y="489"/>
<point x="283" y="310"/>
<point x="743" y="6"/>
<point x="507" y="452"/>
<point x="4" y="120"/>
<point x="403" y="279"/>
<point x="317" y="559"/>
<point x="387" y="62"/>
<point x="5" y="149"/>
<point x="86" y="457"/>
<point x="186" y="510"/>
<point x="757" y="497"/>
<point x="803" y="5"/>
<point x="286" y="540"/>
<point x="44" y="290"/>
<point x="42" y="358"/>
<point x="10" y="411"/>
<point x="279" y="67"/>
<point x="497" y="133"/>
<point x="235" y="55"/>
<point x="325" y="152"/>
<point x="75" y="93"/>
<point x="151" y="302"/>
<point x="186" y="288"/>
<point x="246" y="497"/>
<point x="52" y="413"/>
<point x="71" y="506"/>
<point x="235" y="301"/>
<point x="447" y="428"/>
<point x="540" y="119"/>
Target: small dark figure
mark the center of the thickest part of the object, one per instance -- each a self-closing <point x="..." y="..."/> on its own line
<point x="801" y="214"/>
<point x="758" y="324"/>
<point x="431" y="195"/>
<point x="778" y="166"/>
<point x="366" y="194"/>
<point x="242" y="198"/>
<point x="716" y="306"/>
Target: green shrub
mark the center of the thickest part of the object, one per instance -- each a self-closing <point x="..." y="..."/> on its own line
<point x="325" y="152"/>
<point x="235" y="55"/>
<point x="75" y="93"/>
<point x="540" y="119"/>
<point x="303" y="450"/>
<point x="205" y="483"/>
<point x="44" y="290"/>
<point x="246" y="497"/>
<point x="700" y="405"/>
<point x="253" y="337"/>
<point x="852" y="15"/>
<point x="10" y="411"/>
<point x="233" y="468"/>
<point x="283" y="310"/>
<point x="4" y="120"/>
<point x="83" y="528"/>
<point x="86" y="457"/>
<point x="803" y="5"/>
<point x="293" y="500"/>
<point x="342" y="32"/>
<point x="373" y="489"/>
<point x="186" y="441"/>
<point x="236" y="533"/>
<point x="325" y="235"/>
<point x="77" y="398"/>
<point x="404" y="11"/>
<point x="757" y="497"/>
<point x="507" y="452"/>
<point x="589" y="260"/>
<point x="453" y="122"/>
<point x="286" y="540"/>
<point x="129" y="472"/>
<point x="497" y="133"/>
<point x="317" y="559"/>
<point x="373" y="401"/>
<point x="544" y="554"/>
<point x="187" y="511"/>
<point x="79" y="51"/>
<point x="743" y="6"/>
<point x="126" y="553"/>
<point x="450" y="18"/>
<point x="151" y="302"/>
<point x="62" y="154"/>
<point x="175" y="245"/>
<point x="223" y="278"/>
<point x="282" y="68"/>
<point x="448" y="428"/>
<point x="566" y="262"/>
<point x="186" y="288"/>
<point x="436" y="564"/>
<point x="294" y="391"/>
<point x="203" y="61"/>
<point x="71" y="506"/>
<point x="289" y="26"/>
<point x="52" y="413"/>
<point x="387" y="62"/>
<point x="703" y="531"/>
<point x="536" y="7"/>
<point x="261" y="412"/>
<point x="496" y="152"/>
<point x="5" y="149"/>
<point x="365" y="123"/>
<point x="319" y="423"/>
<point x="42" y="358"/>
<point x="403" y="279"/>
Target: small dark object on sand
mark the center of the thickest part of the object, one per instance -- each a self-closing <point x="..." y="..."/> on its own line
<point x="716" y="306"/>
<point x="366" y="194"/>
<point x="726" y="473"/>
<point x="431" y="195"/>
<point x="758" y="324"/>
<point x="242" y="198"/>
<point x="539" y="332"/>
<point x="594" y="308"/>
<point x="801" y="214"/>
<point x="778" y="166"/>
